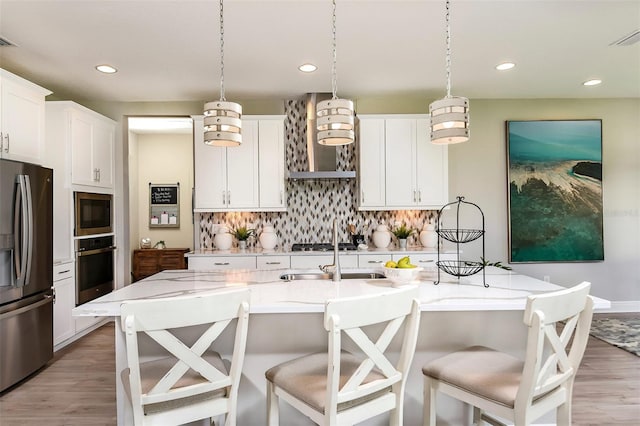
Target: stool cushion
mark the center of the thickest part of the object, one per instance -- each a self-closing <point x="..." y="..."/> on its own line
<point x="306" y="379"/>
<point x="480" y="370"/>
<point x="152" y="371"/>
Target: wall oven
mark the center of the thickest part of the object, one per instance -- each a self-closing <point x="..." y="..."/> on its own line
<point x="93" y="213"/>
<point x="94" y="268"/>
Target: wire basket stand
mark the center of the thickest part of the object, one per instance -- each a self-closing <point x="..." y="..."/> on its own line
<point x="460" y="268"/>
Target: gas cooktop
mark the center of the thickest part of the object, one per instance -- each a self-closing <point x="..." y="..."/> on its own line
<point x="321" y="246"/>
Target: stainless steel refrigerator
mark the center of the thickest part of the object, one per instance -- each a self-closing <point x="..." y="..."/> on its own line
<point x="26" y="270"/>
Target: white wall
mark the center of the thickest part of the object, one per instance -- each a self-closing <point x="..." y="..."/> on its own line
<point x="164" y="159"/>
<point x="134" y="212"/>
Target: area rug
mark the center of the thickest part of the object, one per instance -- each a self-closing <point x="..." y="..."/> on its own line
<point x="621" y="332"/>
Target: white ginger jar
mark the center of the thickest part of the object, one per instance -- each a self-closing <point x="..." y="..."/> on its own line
<point x="223" y="239"/>
<point x="381" y="237"/>
<point x="268" y="238"/>
<point x="428" y="235"/>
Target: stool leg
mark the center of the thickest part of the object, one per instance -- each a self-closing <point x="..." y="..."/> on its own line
<point x="273" y="417"/>
<point x="429" y="414"/>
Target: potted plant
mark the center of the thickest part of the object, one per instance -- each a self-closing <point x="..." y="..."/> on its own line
<point x="242" y="234"/>
<point x="402" y="232"/>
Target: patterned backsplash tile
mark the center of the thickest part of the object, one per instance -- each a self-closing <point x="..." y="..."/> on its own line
<point x="312" y="204"/>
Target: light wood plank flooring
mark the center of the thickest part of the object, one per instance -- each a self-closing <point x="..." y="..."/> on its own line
<point x="78" y="387"/>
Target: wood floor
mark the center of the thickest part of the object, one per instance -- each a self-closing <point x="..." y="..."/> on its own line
<point x="78" y="387"/>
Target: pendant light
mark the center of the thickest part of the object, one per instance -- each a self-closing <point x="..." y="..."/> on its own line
<point x="450" y="115"/>
<point x="222" y="119"/>
<point x="335" y="117"/>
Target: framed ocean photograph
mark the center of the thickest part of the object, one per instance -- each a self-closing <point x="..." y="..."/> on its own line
<point x="555" y="191"/>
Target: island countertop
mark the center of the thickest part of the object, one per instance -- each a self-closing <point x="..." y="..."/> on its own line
<point x="269" y="294"/>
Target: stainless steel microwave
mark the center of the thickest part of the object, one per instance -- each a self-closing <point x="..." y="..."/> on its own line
<point x="93" y="213"/>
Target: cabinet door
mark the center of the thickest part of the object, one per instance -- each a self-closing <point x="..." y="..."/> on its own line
<point x="103" y="140"/>
<point x="242" y="169"/>
<point x="22" y="122"/>
<point x="210" y="168"/>
<point x="63" y="322"/>
<point x="271" y="164"/>
<point x="371" y="160"/>
<point x="82" y="167"/>
<point x="214" y="263"/>
<point x="432" y="175"/>
<point x="400" y="155"/>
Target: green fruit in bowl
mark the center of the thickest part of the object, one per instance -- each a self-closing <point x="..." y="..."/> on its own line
<point x="405" y="263"/>
<point x="391" y="264"/>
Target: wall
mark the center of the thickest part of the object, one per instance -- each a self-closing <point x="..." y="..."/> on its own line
<point x="134" y="208"/>
<point x="477" y="169"/>
<point x="164" y="159"/>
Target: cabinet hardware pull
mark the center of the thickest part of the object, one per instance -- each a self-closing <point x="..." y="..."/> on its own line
<point x="6" y="148"/>
<point x="414" y="196"/>
<point x="273" y="263"/>
<point x="64" y="272"/>
<point x="224" y="199"/>
<point x="280" y="197"/>
<point x="425" y="261"/>
<point x="419" y="195"/>
<point x="221" y="263"/>
<point x="375" y="261"/>
<point x="98" y="170"/>
<point x="229" y="197"/>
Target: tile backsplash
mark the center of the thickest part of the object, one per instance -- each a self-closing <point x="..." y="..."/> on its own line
<point x="312" y="204"/>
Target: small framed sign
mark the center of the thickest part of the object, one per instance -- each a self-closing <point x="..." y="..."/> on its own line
<point x="164" y="205"/>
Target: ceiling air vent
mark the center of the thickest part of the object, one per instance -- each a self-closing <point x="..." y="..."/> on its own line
<point x="5" y="42"/>
<point x="628" y="40"/>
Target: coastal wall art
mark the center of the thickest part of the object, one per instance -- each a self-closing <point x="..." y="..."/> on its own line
<point x="555" y="191"/>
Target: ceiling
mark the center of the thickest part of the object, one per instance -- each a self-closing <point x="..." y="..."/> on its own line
<point x="169" y="50"/>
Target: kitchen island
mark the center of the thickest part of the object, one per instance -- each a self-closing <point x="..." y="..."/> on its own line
<point x="286" y="322"/>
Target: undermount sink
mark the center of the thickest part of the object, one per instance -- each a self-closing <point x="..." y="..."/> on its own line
<point x="312" y="275"/>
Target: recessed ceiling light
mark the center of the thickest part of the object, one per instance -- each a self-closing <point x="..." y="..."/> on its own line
<point x="107" y="69"/>
<point x="505" y="66"/>
<point x="593" y="82"/>
<point x="307" y="68"/>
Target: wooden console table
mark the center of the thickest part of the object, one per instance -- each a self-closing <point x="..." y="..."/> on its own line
<point x="147" y="262"/>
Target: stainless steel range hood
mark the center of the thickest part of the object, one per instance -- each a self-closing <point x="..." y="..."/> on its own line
<point x="321" y="158"/>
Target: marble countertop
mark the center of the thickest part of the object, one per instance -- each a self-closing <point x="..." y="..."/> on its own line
<point x="269" y="294"/>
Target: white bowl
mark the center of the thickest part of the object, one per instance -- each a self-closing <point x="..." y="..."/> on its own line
<point x="402" y="276"/>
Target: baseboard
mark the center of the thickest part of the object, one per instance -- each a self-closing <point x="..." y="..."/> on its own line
<point x="81" y="334"/>
<point x="624" y="306"/>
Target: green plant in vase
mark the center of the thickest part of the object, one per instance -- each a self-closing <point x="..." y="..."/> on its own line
<point x="242" y="234"/>
<point x="402" y="232"/>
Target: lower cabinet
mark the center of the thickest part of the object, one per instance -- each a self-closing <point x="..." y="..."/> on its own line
<point x="212" y="263"/>
<point x="273" y="262"/>
<point x="64" y="286"/>
<point x="313" y="261"/>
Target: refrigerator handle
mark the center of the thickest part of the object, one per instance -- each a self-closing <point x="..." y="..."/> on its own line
<point x="29" y="220"/>
<point x="21" y="228"/>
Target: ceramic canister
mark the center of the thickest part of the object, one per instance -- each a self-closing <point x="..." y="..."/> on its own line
<point x="381" y="236"/>
<point x="223" y="239"/>
<point x="268" y="238"/>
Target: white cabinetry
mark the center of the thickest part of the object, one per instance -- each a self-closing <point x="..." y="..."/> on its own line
<point x="212" y="263"/>
<point x="249" y="177"/>
<point x="64" y="326"/>
<point x="273" y="262"/>
<point x="271" y="163"/>
<point x="22" y="118"/>
<point x="88" y="138"/>
<point x="226" y="178"/>
<point x="313" y="261"/>
<point x="398" y="166"/>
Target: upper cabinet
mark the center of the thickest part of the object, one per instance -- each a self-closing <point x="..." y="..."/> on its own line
<point x="89" y="138"/>
<point x="21" y="119"/>
<point x="398" y="166"/>
<point x="249" y="177"/>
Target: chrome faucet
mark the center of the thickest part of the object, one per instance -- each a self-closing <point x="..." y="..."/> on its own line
<point x="334" y="268"/>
